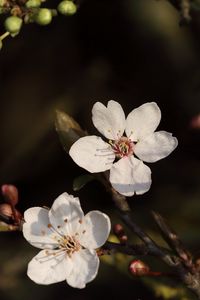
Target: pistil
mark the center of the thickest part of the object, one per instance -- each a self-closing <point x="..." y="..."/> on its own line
<point x="122" y="147"/>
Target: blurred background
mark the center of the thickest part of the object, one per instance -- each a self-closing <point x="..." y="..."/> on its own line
<point x="129" y="51"/>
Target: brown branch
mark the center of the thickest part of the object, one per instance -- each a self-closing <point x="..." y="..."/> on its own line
<point x="126" y="216"/>
<point x="133" y="250"/>
<point x="172" y="239"/>
<point x="184" y="268"/>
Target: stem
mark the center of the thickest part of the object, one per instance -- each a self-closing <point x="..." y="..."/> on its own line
<point x="152" y="247"/>
<point x="189" y="276"/>
<point x="132" y="250"/>
<point x="125" y="213"/>
<point x="172" y="239"/>
<point x="4" y="35"/>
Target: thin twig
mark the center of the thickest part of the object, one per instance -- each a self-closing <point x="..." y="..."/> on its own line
<point x="172" y="239"/>
<point x="190" y="277"/>
<point x="133" y="250"/>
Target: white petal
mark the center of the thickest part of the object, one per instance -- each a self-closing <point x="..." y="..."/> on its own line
<point x="156" y="146"/>
<point x="129" y="175"/>
<point x="49" y="268"/>
<point x="110" y="120"/>
<point x="66" y="214"/>
<point x="85" y="268"/>
<point x="143" y="121"/>
<point x="94" y="230"/>
<point x="35" y="229"/>
<point x="92" y="154"/>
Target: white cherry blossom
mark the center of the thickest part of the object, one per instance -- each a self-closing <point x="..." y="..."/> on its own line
<point x="68" y="240"/>
<point x="123" y="154"/>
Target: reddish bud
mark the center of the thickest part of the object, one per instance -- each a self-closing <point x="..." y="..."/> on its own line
<point x="195" y="122"/>
<point x="10" y="214"/>
<point x="138" y="268"/>
<point x="123" y="239"/>
<point x="120" y="233"/>
<point x="6" y="210"/>
<point x="10" y="193"/>
<point x="118" y="228"/>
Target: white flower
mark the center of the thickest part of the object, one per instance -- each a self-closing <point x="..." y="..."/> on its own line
<point x="128" y="175"/>
<point x="68" y="239"/>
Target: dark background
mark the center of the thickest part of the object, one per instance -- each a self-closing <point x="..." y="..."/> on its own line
<point x="129" y="51"/>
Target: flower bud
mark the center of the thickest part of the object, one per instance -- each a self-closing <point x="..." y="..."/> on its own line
<point x="33" y="3"/>
<point x="6" y="210"/>
<point x="43" y="17"/>
<point x="195" y="122"/>
<point x="13" y="24"/>
<point x="118" y="229"/>
<point x="10" y="193"/>
<point x="10" y="214"/>
<point x="120" y="233"/>
<point x="67" y="8"/>
<point x="138" y="268"/>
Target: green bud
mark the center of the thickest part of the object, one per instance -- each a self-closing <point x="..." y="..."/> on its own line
<point x="43" y="17"/>
<point x="13" y="24"/>
<point x="1" y="44"/>
<point x="33" y="3"/>
<point x="67" y="8"/>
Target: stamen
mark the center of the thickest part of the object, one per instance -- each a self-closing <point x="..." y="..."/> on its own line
<point x="109" y="154"/>
<point x="104" y="152"/>
<point x="66" y="244"/>
<point x="54" y="230"/>
<point x="49" y="256"/>
<point x="103" y="149"/>
<point x="122" y="147"/>
<point x="40" y="243"/>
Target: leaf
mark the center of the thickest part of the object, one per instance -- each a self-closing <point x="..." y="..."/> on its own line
<point x="68" y="129"/>
<point x="81" y="181"/>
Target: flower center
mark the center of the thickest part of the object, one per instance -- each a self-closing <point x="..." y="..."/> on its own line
<point x="69" y="244"/>
<point x="122" y="147"/>
<point x="66" y="243"/>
